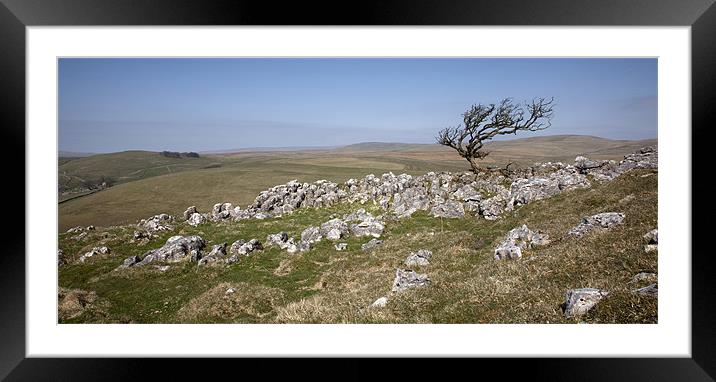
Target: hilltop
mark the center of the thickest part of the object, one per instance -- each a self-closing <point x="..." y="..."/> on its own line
<point x="79" y="174"/>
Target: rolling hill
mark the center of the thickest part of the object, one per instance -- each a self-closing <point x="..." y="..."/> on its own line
<point x="122" y="167"/>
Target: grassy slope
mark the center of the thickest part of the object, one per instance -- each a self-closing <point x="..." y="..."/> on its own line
<point x="328" y="286"/>
<point x="124" y="166"/>
<point x="241" y="176"/>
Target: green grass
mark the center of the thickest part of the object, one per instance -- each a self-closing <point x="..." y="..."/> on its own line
<point x="326" y="286"/>
<point x="124" y="167"/>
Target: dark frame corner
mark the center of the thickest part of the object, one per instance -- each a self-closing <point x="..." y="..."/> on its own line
<point x="15" y="15"/>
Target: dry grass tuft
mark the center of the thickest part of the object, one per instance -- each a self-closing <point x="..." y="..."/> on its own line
<point x="75" y="302"/>
<point x="220" y="304"/>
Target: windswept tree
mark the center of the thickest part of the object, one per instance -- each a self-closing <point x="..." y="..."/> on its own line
<point x="483" y="122"/>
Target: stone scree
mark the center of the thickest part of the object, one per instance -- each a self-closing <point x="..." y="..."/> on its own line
<point x="443" y="194"/>
<point x="597" y="222"/>
<point x="518" y="239"/>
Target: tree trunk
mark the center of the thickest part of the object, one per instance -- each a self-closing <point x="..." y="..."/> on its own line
<point x="474" y="164"/>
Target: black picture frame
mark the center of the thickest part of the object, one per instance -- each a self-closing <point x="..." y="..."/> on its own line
<point x="15" y="15"/>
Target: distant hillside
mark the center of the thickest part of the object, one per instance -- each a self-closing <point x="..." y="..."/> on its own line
<point x="524" y="151"/>
<point x="269" y="149"/>
<point x="570" y="143"/>
<point x="388" y="146"/>
<point x="79" y="173"/>
<point x="73" y="154"/>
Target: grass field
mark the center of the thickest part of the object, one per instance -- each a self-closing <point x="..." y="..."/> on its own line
<point x="124" y="167"/>
<point x="150" y="184"/>
<point x="323" y="285"/>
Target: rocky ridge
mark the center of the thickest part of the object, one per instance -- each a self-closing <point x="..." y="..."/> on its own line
<point x="443" y="194"/>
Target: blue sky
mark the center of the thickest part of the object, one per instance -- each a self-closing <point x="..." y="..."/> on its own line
<point x="108" y="105"/>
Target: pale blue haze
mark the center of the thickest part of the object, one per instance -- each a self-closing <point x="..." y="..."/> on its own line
<point x="108" y="105"/>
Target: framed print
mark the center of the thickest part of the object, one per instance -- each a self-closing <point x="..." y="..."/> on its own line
<point x="405" y="180"/>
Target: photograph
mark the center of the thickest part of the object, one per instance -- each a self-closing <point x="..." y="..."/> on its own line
<point x="244" y="181"/>
<point x="357" y="190"/>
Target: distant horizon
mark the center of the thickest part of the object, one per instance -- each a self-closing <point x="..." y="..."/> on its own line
<point x="277" y="148"/>
<point x="199" y="104"/>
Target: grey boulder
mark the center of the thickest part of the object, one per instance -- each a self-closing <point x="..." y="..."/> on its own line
<point x="579" y="301"/>
<point x="599" y="221"/>
<point x="448" y="209"/>
<point x="650" y="290"/>
<point x="406" y="279"/>
<point x="95" y="251"/>
<point x="518" y="239"/>
<point x="419" y="258"/>
<point x="370" y="245"/>
<point x="177" y="248"/>
<point x="195" y="219"/>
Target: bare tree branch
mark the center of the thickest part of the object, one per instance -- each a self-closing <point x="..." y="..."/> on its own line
<point x="483" y="122"/>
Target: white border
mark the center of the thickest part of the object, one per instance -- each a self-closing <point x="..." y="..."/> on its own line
<point x="670" y="337"/>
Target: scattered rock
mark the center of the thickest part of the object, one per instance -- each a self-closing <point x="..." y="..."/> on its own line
<point x="61" y="260"/>
<point x="652" y="240"/>
<point x="380" y="303"/>
<point x="311" y="235"/>
<point x="598" y="221"/>
<point x="93" y="252"/>
<point x="406" y="279"/>
<point x="195" y="219"/>
<point x="605" y="220"/>
<point x="262" y="215"/>
<point x="217" y="253"/>
<point x="141" y="236"/>
<point x="278" y="239"/>
<point x="291" y="246"/>
<point x="651" y="290"/>
<point x="156" y="223"/>
<point x="644" y="276"/>
<point x="243" y="248"/>
<point x="419" y="258"/>
<point x="222" y="211"/>
<point x="608" y="170"/>
<point x="333" y="235"/>
<point x="341" y="246"/>
<point x="580" y="301"/>
<point x="524" y="191"/>
<point x="518" y="239"/>
<point x="334" y="229"/>
<point x="493" y="207"/>
<point x="75" y="229"/>
<point x="189" y="211"/>
<point x="302" y="246"/>
<point x="130" y="261"/>
<point x="584" y="165"/>
<point x="370" y="245"/>
<point x="177" y="248"/>
<point x="448" y="209"/>
<point x="282" y="241"/>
